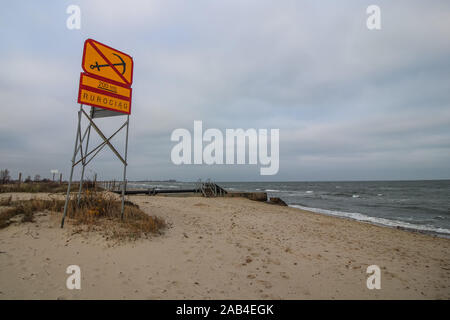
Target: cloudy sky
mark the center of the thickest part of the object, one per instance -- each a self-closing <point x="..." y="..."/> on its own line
<point x="350" y="103"/>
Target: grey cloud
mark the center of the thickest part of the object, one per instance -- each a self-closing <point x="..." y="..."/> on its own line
<point x="349" y="103"/>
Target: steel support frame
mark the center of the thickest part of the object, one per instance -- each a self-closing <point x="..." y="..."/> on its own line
<point x="84" y="155"/>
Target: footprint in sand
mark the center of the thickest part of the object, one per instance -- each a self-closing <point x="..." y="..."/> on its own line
<point x="265" y="283"/>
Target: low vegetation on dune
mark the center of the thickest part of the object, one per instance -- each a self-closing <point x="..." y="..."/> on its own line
<point x="100" y="210"/>
<point x="23" y="210"/>
<point x="95" y="211"/>
<point x="34" y="187"/>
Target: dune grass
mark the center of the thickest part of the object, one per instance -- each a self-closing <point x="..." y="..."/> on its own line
<point x="51" y="187"/>
<point x="25" y="209"/>
<point x="96" y="211"/>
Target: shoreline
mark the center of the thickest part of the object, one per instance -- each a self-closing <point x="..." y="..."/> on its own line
<point x="414" y="229"/>
<point x="378" y="203"/>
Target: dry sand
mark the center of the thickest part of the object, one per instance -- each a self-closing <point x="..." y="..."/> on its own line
<point x="223" y="248"/>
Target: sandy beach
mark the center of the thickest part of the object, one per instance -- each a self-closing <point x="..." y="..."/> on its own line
<point x="222" y="248"/>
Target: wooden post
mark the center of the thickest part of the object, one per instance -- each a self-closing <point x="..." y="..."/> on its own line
<point x="20" y="178"/>
<point x="95" y="181"/>
<point x="60" y="178"/>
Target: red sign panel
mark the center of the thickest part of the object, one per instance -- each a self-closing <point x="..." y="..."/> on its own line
<point x="99" y="92"/>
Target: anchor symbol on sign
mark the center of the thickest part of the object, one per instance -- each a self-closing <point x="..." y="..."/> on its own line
<point x="98" y="66"/>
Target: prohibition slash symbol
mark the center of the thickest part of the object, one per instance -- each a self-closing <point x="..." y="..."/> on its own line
<point x="123" y="64"/>
<point x="108" y="63"/>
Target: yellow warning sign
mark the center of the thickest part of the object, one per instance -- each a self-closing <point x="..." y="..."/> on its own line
<point x="103" y="101"/>
<point x="106" y="62"/>
<point x="104" y="85"/>
<point x="103" y="94"/>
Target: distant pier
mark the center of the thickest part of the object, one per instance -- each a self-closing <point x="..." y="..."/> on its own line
<point x="205" y="189"/>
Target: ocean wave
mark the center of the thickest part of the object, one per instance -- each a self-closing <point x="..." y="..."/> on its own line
<point x="344" y="194"/>
<point x="377" y="221"/>
<point x="272" y="190"/>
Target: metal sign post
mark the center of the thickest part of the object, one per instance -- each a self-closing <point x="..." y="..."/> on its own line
<point x="106" y="87"/>
<point x="84" y="165"/>
<point x="125" y="170"/>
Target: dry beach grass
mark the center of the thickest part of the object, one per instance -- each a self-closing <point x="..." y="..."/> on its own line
<point x="36" y="187"/>
<point x="98" y="211"/>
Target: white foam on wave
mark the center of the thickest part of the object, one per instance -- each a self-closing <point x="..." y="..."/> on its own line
<point x="355" y="196"/>
<point x="272" y="190"/>
<point x="309" y="191"/>
<point x="375" y="220"/>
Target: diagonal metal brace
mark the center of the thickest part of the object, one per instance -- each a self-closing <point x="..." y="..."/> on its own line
<point x="80" y="146"/>
<point x="82" y="139"/>
<point x="104" y="138"/>
<point x="98" y="148"/>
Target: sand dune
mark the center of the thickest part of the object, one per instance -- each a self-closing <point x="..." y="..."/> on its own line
<point x="223" y="248"/>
